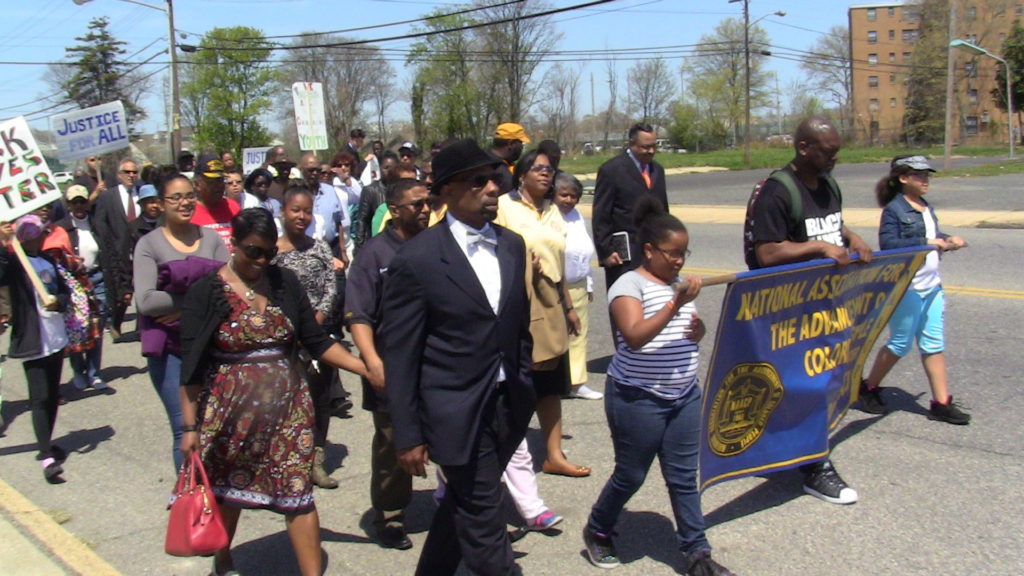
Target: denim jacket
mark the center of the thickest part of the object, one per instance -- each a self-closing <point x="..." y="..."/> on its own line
<point x="902" y="226"/>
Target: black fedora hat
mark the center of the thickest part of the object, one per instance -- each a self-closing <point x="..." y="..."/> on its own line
<point x="459" y="157"/>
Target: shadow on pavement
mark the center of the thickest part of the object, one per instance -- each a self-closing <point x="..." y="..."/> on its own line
<point x="647" y="535"/>
<point x="599" y="365"/>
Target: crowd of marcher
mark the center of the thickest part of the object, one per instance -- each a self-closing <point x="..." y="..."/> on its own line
<point x="464" y="280"/>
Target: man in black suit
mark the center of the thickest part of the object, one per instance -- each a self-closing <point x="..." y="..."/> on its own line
<point x="356" y="138"/>
<point x="621" y="181"/>
<point x="114" y="209"/>
<point x="455" y="338"/>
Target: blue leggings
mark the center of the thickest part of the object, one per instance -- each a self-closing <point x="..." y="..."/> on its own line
<point x="165" y="372"/>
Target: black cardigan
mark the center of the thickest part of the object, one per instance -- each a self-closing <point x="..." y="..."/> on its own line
<point x="26" y="341"/>
<point x="205" y="307"/>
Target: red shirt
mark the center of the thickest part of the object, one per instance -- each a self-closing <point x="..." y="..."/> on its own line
<point x="218" y="219"/>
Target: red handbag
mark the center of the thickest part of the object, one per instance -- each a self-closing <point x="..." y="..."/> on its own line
<point x="195" y="527"/>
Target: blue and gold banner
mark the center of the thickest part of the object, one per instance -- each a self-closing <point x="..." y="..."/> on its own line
<point x="791" y="345"/>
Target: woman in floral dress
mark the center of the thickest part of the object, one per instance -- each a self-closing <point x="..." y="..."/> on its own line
<point x="245" y="406"/>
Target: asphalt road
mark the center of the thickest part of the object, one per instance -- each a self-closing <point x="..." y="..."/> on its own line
<point x="935" y="499"/>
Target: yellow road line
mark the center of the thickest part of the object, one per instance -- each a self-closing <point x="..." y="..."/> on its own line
<point x="71" y="551"/>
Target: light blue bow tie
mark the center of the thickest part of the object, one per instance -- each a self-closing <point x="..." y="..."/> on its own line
<point x="473" y="238"/>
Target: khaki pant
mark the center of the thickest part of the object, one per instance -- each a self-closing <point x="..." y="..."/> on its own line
<point x="578" y="343"/>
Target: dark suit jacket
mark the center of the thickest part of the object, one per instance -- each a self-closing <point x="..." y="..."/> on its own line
<point x="442" y="344"/>
<point x="619" y="185"/>
<point x="111" y="228"/>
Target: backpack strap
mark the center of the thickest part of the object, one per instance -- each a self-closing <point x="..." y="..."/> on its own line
<point x="796" y="208"/>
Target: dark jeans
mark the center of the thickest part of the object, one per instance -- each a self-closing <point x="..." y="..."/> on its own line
<point x="43" y="377"/>
<point x="644" y="426"/>
<point x="165" y="373"/>
<point x="320" y="392"/>
<point x="390" y="485"/>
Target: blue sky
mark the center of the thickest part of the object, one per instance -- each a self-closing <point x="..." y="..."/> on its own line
<point x="37" y="31"/>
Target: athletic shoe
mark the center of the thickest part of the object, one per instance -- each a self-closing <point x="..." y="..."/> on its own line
<point x="52" y="471"/>
<point x="950" y="412"/>
<point x="701" y="564"/>
<point x="98" y="384"/>
<point x="825" y="483"/>
<point x="600" y="549"/>
<point x="871" y="399"/>
<point x="546" y="519"/>
<point x="585" y="393"/>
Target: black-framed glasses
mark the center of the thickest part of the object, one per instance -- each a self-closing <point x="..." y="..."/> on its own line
<point x="673" y="255"/>
<point x="481" y="180"/>
<point x="178" y="198"/>
<point x="254" y="252"/>
<point x="416" y="205"/>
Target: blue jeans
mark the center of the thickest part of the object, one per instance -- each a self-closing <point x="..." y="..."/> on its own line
<point x="165" y="372"/>
<point x="644" y="426"/>
<point x="85" y="366"/>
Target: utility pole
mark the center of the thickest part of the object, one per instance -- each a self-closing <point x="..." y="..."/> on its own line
<point x="947" y="152"/>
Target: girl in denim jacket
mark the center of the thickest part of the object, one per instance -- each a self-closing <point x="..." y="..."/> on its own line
<point x="908" y="220"/>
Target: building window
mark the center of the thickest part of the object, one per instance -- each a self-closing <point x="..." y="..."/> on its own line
<point x="873" y="104"/>
<point x="892" y="78"/>
<point x="892" y="102"/>
<point x="892" y="11"/>
<point x="1019" y="10"/>
<point x="972" y="96"/>
<point x="971" y="69"/>
<point x="892" y="57"/>
<point x="910" y="15"/>
<point x="972" y="12"/>
<point x="872" y="81"/>
<point x="909" y="36"/>
<point x="873" y="59"/>
<point x="971" y="125"/>
<point x="872" y="36"/>
<point x="973" y="39"/>
<point x="906" y="57"/>
<point x="872" y="14"/>
<point x="892" y="34"/>
<point x="1002" y="37"/>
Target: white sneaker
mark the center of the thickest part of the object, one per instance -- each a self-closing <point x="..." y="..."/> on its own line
<point x="586" y="393"/>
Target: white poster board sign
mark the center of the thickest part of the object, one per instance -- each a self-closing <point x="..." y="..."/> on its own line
<point x="310" y="122"/>
<point x="90" y="131"/>
<point x="252" y="158"/>
<point x="26" y="182"/>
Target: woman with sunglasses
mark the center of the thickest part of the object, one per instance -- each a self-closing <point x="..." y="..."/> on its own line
<point x="652" y="399"/>
<point x="246" y="407"/>
<point x="313" y="264"/>
<point x="161" y="276"/>
<point x="348" y="188"/>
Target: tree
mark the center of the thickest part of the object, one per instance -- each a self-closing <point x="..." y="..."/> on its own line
<point x="227" y="87"/>
<point x="650" y="90"/>
<point x="353" y="76"/>
<point x="924" y="121"/>
<point x="613" y="96"/>
<point x="515" y="48"/>
<point x="1013" y="52"/>
<point x="829" y="73"/>
<point x="97" y="74"/>
<point x="560" y="102"/>
<point x="718" y="70"/>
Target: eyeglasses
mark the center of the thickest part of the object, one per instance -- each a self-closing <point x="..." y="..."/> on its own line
<point x="313" y="170"/>
<point x="129" y="171"/>
<point x="417" y="205"/>
<point x="177" y="198"/>
<point x="254" y="252"/>
<point x="542" y="169"/>
<point x="673" y="255"/>
<point x="232" y="181"/>
<point x="481" y="180"/>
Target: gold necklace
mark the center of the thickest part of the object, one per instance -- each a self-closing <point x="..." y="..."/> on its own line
<point x="250" y="293"/>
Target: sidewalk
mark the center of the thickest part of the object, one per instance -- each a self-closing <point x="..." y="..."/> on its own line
<point x="33" y="544"/>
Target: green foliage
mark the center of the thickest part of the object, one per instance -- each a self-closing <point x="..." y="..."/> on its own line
<point x="1013" y="52"/>
<point x="98" y="73"/>
<point x="924" y="120"/>
<point x="227" y="89"/>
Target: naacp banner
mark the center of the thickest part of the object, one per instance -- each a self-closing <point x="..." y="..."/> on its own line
<point x="90" y="131"/>
<point x="25" y="180"/>
<point x="791" y="345"/>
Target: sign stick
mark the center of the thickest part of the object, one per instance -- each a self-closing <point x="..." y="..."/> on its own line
<point x="30" y="271"/>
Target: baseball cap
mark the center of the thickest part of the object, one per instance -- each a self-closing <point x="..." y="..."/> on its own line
<point x="147" y="191"/>
<point x="76" y="191"/>
<point x="511" y="131"/>
<point x="410" y="147"/>
<point x="914" y="163"/>
<point x="210" y="166"/>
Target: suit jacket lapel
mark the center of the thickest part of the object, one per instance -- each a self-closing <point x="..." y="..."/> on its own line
<point x="459" y="270"/>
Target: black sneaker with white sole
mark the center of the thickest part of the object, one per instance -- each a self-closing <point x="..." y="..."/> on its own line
<point x="824" y="482"/>
<point x="871" y="399"/>
<point x="600" y="549"/>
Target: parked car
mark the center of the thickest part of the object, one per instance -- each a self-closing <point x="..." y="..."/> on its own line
<point x="63" y="178"/>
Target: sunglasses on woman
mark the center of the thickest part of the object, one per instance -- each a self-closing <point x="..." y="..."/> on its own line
<point x="254" y="252"/>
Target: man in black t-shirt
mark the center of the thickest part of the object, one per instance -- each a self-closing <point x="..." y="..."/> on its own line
<point x="819" y="232"/>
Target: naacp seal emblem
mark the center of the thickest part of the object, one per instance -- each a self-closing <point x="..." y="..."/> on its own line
<point x="748" y="396"/>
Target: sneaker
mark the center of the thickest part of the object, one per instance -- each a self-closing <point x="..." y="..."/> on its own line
<point x="52" y="471"/>
<point x="871" y="399"/>
<point x="951" y="412"/>
<point x="98" y="384"/>
<point x="600" y="549"/>
<point x="825" y="483"/>
<point x="546" y="519"/>
<point x="586" y="393"/>
<point x="701" y="564"/>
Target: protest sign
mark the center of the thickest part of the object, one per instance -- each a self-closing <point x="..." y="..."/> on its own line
<point x="90" y="131"/>
<point x="310" y="122"/>
<point x="26" y="182"/>
<point x="252" y="158"/>
<point x="790" y="348"/>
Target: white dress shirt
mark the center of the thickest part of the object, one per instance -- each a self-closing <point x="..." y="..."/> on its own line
<point x="483" y="257"/>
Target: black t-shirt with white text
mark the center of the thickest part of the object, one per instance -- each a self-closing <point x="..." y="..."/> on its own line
<point x="822" y="215"/>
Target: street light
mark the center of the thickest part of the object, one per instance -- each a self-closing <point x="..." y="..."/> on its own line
<point x="746" y="77"/>
<point x="174" y="126"/>
<point x="1009" y="81"/>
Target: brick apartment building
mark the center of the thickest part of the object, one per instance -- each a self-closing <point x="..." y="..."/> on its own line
<point x="882" y="40"/>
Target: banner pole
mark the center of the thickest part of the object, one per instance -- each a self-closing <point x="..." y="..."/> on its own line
<point x="30" y="271"/>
